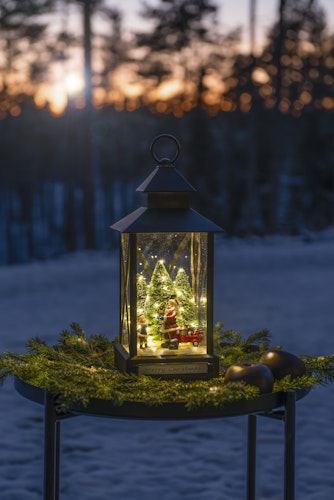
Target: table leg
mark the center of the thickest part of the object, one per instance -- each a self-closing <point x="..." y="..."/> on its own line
<point x="57" y="459"/>
<point x="251" y="457"/>
<point x="289" y="463"/>
<point x="51" y="450"/>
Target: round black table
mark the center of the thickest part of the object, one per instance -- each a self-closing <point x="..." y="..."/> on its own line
<point x="279" y="405"/>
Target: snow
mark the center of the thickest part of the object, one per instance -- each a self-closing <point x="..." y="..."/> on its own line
<point x="283" y="284"/>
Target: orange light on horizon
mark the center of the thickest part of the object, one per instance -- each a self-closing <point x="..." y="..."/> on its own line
<point x="227" y="105"/>
<point x="52" y="96"/>
<point x="167" y="90"/>
<point x="260" y="76"/>
<point x="15" y="110"/>
<point x="327" y="103"/>
<point x="99" y="97"/>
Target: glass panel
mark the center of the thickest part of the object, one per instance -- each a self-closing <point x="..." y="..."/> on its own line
<point x="125" y="291"/>
<point x="171" y="293"/>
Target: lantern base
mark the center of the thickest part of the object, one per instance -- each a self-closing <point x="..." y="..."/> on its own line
<point x="197" y="367"/>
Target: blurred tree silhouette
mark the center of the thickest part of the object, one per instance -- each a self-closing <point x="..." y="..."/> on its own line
<point x="113" y="55"/>
<point x="255" y="127"/>
<point x="287" y="77"/>
<point x="185" y="44"/>
<point x="21" y="33"/>
<point x="114" y="48"/>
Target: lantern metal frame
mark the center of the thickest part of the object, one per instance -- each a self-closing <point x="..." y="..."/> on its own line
<point x="166" y="211"/>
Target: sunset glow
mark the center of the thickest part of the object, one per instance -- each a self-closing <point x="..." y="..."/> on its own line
<point x="74" y="83"/>
<point x="128" y="76"/>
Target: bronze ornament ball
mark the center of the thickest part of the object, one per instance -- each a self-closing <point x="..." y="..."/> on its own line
<point x="256" y="374"/>
<point x="283" y="363"/>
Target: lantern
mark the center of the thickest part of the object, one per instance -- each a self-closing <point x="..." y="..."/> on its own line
<point x="166" y="280"/>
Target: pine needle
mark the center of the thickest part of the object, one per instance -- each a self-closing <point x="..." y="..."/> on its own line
<point x="79" y="368"/>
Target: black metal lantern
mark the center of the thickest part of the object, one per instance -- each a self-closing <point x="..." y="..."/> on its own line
<point x="166" y="280"/>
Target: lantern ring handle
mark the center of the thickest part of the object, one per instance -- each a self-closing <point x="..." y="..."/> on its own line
<point x="165" y="162"/>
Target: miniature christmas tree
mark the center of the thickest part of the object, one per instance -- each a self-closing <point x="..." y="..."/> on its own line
<point x="141" y="294"/>
<point x="159" y="291"/>
<point x="185" y="296"/>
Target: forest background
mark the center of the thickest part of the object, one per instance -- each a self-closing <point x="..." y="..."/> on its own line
<point x="255" y="124"/>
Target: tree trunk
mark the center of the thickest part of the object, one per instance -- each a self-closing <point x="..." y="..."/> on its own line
<point x="87" y="167"/>
<point x="252" y="137"/>
<point x="87" y="14"/>
<point x="252" y="10"/>
<point x="275" y="172"/>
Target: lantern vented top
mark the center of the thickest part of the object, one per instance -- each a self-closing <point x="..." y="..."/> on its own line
<point x="165" y="178"/>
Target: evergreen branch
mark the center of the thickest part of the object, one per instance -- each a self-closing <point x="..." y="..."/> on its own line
<point x="287" y="383"/>
<point x="322" y="367"/>
<point x="232" y="348"/>
<point x="78" y="369"/>
<point x="260" y="338"/>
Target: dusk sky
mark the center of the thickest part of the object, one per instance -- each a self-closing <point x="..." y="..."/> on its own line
<point x="232" y="13"/>
<point x="66" y="77"/>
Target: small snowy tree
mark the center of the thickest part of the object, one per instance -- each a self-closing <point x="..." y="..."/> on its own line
<point x="185" y="296"/>
<point x="159" y="291"/>
<point x="141" y="294"/>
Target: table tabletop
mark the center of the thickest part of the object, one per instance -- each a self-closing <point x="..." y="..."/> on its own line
<point x="178" y="410"/>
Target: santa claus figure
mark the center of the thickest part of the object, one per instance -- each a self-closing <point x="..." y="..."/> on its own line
<point x="170" y="326"/>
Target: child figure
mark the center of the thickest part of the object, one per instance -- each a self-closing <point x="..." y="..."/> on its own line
<point x="170" y="326"/>
<point x="142" y="331"/>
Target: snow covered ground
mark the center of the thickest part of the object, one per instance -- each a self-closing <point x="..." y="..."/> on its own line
<point x="283" y="284"/>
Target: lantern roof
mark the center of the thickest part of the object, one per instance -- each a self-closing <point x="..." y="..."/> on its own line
<point x="165" y="178"/>
<point x="166" y="202"/>
<point x="165" y="220"/>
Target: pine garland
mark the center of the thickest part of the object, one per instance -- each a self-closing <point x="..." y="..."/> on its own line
<point x="232" y="348"/>
<point x="78" y="369"/>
